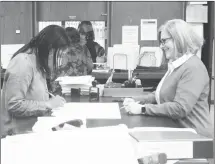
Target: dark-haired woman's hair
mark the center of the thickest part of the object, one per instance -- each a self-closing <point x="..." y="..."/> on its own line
<point x="51" y="37"/>
<point x="73" y="34"/>
<point x="90" y="36"/>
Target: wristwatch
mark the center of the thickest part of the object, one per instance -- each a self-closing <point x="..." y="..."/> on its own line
<point x="143" y="110"/>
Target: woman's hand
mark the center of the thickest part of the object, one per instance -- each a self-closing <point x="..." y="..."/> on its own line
<point x="141" y="99"/>
<point x="55" y="102"/>
<point x="134" y="108"/>
<point x="127" y="101"/>
<point x="100" y="59"/>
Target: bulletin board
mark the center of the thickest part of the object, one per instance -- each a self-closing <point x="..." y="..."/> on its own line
<point x="131" y="13"/>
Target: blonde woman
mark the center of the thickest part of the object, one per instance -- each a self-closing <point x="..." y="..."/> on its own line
<point x="182" y="94"/>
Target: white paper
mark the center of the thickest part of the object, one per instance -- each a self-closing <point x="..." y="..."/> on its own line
<point x="150" y="57"/>
<point x="198" y="28"/>
<point x="171" y="161"/>
<point x="198" y="3"/>
<point x="43" y="24"/>
<point x="101" y="70"/>
<point x="124" y="56"/>
<point x="89" y="110"/>
<point x="7" y="51"/>
<point x="72" y="24"/>
<point x="148" y="29"/>
<point x="75" y="79"/>
<point x="130" y="35"/>
<point x="68" y="82"/>
<point x="161" y="129"/>
<point x="197" y="13"/>
<point x="92" y="146"/>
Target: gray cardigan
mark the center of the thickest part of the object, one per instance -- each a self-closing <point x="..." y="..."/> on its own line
<point x="184" y="97"/>
<point x="23" y="96"/>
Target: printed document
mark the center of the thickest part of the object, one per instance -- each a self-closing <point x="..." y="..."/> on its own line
<point x="89" y="110"/>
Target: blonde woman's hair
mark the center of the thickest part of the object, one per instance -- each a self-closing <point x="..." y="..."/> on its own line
<point x="186" y="40"/>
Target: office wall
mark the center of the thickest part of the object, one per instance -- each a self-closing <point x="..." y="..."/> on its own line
<point x="130" y="13"/>
<point x="55" y="11"/>
<point x="15" y="16"/>
<point x="212" y="81"/>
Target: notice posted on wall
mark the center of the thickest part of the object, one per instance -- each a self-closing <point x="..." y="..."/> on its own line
<point x="198" y="28"/>
<point x="43" y="24"/>
<point x="130" y="35"/>
<point x="148" y="29"/>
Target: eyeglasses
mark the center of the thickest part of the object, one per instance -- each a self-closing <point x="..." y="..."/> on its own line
<point x="164" y="41"/>
<point x="83" y="33"/>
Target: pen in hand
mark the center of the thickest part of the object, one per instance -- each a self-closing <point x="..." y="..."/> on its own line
<point x="123" y="107"/>
<point x="50" y="94"/>
<point x="55" y="101"/>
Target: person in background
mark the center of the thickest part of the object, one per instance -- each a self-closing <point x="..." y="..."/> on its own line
<point x="76" y="60"/>
<point x="25" y="95"/>
<point x="87" y="35"/>
<point x="182" y="93"/>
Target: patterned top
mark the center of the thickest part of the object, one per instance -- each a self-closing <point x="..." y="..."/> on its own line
<point x="75" y="61"/>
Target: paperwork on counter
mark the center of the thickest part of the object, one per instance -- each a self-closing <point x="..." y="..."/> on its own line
<point x="89" y="110"/>
<point x="92" y="146"/>
<point x="82" y="82"/>
<point x="96" y="144"/>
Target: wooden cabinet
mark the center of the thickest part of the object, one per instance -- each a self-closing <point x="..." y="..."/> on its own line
<point x="56" y="11"/>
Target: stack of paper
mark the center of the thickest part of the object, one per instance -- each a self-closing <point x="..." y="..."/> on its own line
<point x="89" y="111"/>
<point x="82" y="82"/>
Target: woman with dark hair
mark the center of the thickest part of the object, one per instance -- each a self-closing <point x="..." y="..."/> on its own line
<point x="76" y="59"/>
<point x="87" y="35"/>
<point x="25" y="94"/>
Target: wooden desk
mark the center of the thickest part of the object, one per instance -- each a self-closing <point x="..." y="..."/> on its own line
<point x="142" y="121"/>
<point x="130" y="120"/>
